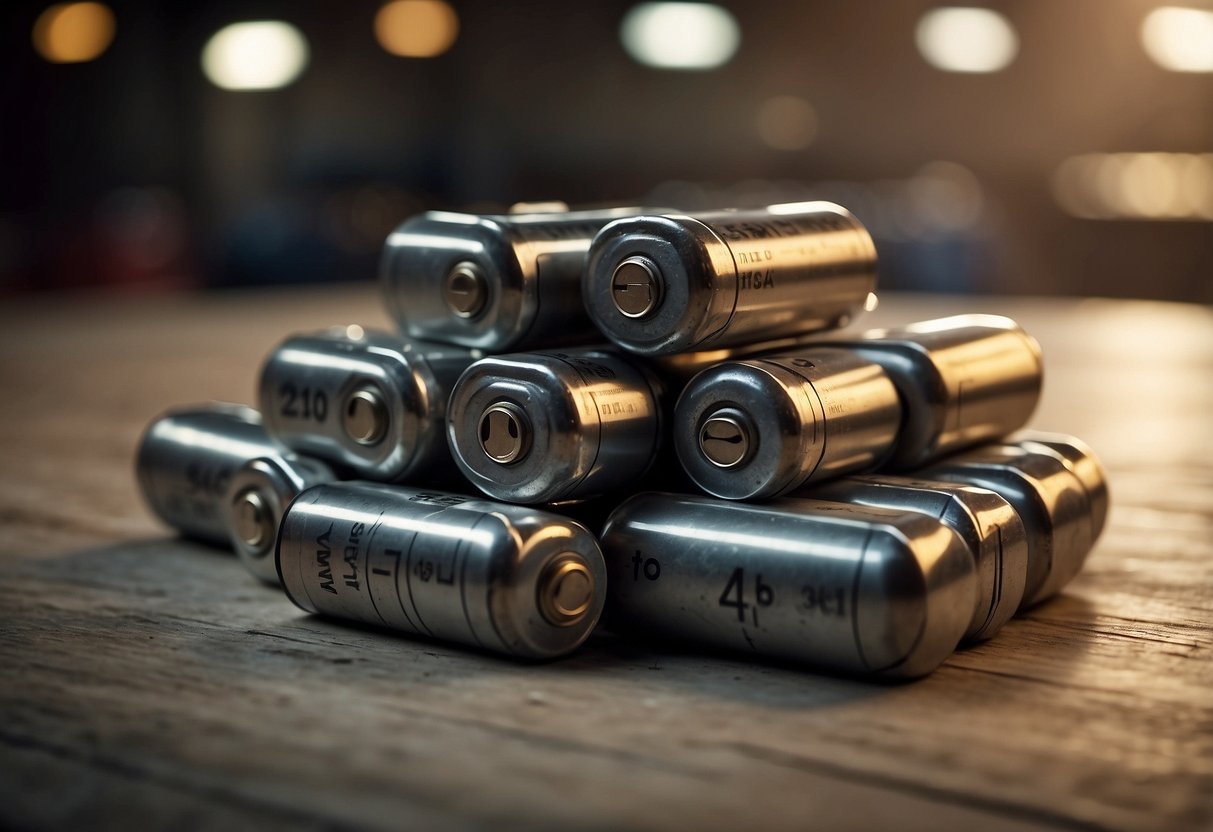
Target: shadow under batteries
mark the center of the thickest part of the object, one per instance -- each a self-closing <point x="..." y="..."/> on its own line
<point x="182" y="604"/>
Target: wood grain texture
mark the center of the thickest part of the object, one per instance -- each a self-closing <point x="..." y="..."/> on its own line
<point x="149" y="680"/>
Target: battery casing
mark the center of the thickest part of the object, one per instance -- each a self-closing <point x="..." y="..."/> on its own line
<point x="1082" y="461"/>
<point x="661" y="284"/>
<point x="1048" y="496"/>
<point x="255" y="500"/>
<point x="987" y="523"/>
<point x="850" y="588"/>
<point x="495" y="283"/>
<point x="580" y="422"/>
<point x="765" y="426"/>
<point x="511" y="579"/>
<point x="186" y="459"/>
<point x="371" y="403"/>
<point x="963" y="380"/>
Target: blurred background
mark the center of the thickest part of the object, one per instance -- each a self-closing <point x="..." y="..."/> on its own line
<point x="1029" y="146"/>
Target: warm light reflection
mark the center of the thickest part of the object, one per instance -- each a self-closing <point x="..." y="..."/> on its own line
<point x="1141" y="186"/>
<point x="257" y="55"/>
<point x="416" y="28"/>
<point x="966" y="39"/>
<point x="680" y="35"/>
<point x="786" y="122"/>
<point x="550" y="206"/>
<point x="72" y="33"/>
<point x="1179" y="39"/>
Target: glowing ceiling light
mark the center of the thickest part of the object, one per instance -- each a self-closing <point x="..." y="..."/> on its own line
<point x="72" y="33"/>
<point x="786" y="122"/>
<point x="680" y="35"/>
<point x="416" y="28"/>
<point x="1179" y="39"/>
<point x="966" y="40"/>
<point x="257" y="55"/>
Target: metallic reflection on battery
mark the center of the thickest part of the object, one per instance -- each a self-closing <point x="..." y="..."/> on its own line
<point x="186" y="459"/>
<point x="495" y="283"/>
<point x="1062" y="514"/>
<point x="506" y="578"/>
<point x="369" y="403"/>
<point x="556" y="426"/>
<point x="850" y="588"/>
<point x="963" y="380"/>
<point x="986" y="522"/>
<point x="257" y="497"/>
<point x="1082" y="461"/>
<point x="661" y="284"/>
<point x="765" y="426"/>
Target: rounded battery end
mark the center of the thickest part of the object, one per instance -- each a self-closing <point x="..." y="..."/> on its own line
<point x="566" y="590"/>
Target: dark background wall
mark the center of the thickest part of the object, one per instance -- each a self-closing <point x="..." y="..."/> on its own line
<point x="134" y="170"/>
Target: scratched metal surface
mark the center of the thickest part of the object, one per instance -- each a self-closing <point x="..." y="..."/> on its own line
<point x="147" y="680"/>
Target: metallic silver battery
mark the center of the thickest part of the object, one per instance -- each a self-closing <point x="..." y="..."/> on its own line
<point x="506" y="578"/>
<point x="496" y="283"/>
<point x="963" y="380"/>
<point x="257" y="497"/>
<point x="556" y="426"/>
<point x="186" y="459"/>
<point x="1081" y="459"/>
<point x="661" y="284"/>
<point x="368" y="402"/>
<point x="852" y="588"/>
<point x="765" y="426"/>
<point x="1060" y="517"/>
<point x="986" y="522"/>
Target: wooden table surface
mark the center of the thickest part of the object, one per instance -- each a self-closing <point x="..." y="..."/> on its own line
<point x="150" y="682"/>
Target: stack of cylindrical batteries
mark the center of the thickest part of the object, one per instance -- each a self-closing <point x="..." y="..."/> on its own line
<point x="868" y="511"/>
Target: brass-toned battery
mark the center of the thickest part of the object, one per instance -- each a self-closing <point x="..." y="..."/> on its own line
<point x="963" y="380"/>
<point x="499" y="283"/>
<point x="556" y="426"/>
<point x="1062" y="514"/>
<point x="845" y="587"/>
<point x="369" y="403"/>
<point x="186" y="460"/>
<point x="506" y="578"/>
<point x="765" y="426"/>
<point x="661" y="284"/>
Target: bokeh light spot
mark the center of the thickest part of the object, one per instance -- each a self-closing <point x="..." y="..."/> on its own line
<point x="962" y="39"/>
<point x="255" y="55"/>
<point x="416" y="28"/>
<point x="680" y="35"/>
<point x="786" y="122"/>
<point x="1136" y="186"/>
<point x="72" y="33"/>
<point x="1179" y="39"/>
